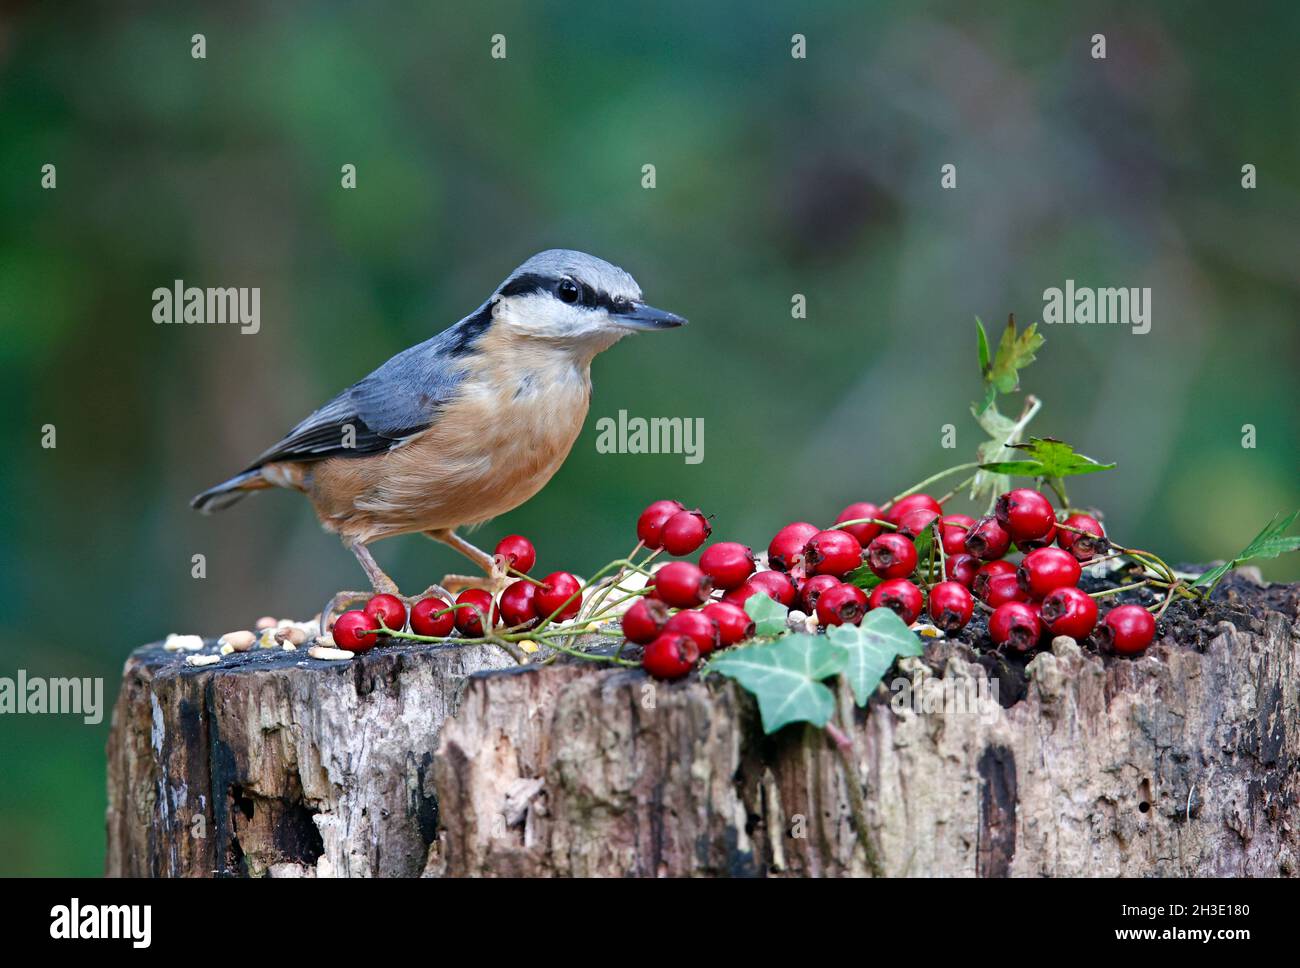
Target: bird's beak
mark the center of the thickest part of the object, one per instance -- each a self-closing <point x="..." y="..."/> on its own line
<point x="647" y="317"/>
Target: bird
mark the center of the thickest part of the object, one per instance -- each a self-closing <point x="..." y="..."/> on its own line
<point x="462" y="427"/>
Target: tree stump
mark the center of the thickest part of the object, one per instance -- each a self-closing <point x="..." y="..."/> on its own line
<point x="1182" y="762"/>
<point x="272" y="763"/>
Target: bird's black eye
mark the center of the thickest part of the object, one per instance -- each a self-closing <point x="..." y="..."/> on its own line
<point x="568" y="291"/>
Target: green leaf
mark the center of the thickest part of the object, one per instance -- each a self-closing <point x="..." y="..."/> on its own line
<point x="872" y="648"/>
<point x="863" y="577"/>
<point x="1015" y="352"/>
<point x="1269" y="543"/>
<point x="768" y="614"/>
<point x="984" y="347"/>
<point x="924" y="542"/>
<point x="786" y="677"/>
<point x="1048" y="457"/>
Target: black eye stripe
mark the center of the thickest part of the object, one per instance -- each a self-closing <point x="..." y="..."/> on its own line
<point x="530" y="282"/>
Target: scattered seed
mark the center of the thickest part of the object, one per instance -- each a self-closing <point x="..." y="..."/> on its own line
<point x="202" y="660"/>
<point x="266" y="622"/>
<point x="329" y="655"/>
<point x="291" y="635"/>
<point x="528" y="645"/>
<point x="289" y="647"/>
<point x="227" y="649"/>
<point x="268" y="640"/>
<point x="183" y="643"/>
<point x="238" y="641"/>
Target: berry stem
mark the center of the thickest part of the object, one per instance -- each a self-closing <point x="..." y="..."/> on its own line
<point x="957" y="469"/>
<point x="1122" y="588"/>
<point x="844" y="524"/>
<point x="953" y="493"/>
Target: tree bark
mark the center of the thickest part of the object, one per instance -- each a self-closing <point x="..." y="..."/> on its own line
<point x="1182" y="762"/>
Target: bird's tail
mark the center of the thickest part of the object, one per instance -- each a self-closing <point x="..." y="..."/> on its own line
<point x="228" y="492"/>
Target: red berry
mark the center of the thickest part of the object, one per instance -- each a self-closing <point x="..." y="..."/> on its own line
<point x="866" y="531"/>
<point x="349" y="628"/>
<point x="962" y="568"/>
<point x="557" y="588"/>
<point x="426" y="621"/>
<point x="953" y="529"/>
<point x="951" y="605"/>
<point x="1029" y="544"/>
<point x="728" y="563"/>
<point x="684" y="532"/>
<point x="516" y="552"/>
<point x="1082" y="546"/>
<point x="681" y="584"/>
<point x="652" y="519"/>
<point x="892" y="556"/>
<point x="910" y="503"/>
<point x="519" y="604"/>
<point x="1025" y="514"/>
<point x="644" y="620"/>
<point x="832" y="553"/>
<point x="1000" y="589"/>
<point x="388" y="609"/>
<point x="987" y="540"/>
<point x="788" y="544"/>
<point x="1046" y="569"/>
<point x="468" y="620"/>
<point x="670" y="656"/>
<point x="1070" y="611"/>
<point x="773" y="584"/>
<point x="1015" y="624"/>
<point x="901" y="596"/>
<point x="703" y="629"/>
<point x="812" y="590"/>
<point x="734" y="625"/>
<point x="987" y="570"/>
<point x="841" y="605"/>
<point x="915" y="521"/>
<point x="1126" y="630"/>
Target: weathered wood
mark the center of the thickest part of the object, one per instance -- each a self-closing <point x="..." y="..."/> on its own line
<point x="273" y="763"/>
<point x="409" y="760"/>
<point x="1183" y="762"/>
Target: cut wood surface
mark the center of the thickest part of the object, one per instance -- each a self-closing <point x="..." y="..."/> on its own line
<point x="441" y="760"/>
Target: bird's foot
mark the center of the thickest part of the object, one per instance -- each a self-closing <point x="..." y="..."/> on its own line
<point x="493" y="583"/>
<point x="433" y="591"/>
<point x="340" y="601"/>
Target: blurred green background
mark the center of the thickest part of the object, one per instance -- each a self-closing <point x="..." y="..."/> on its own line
<point x="775" y="176"/>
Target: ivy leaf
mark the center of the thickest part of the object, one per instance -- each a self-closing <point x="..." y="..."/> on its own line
<point x="1049" y="458"/>
<point x="768" y="614"/>
<point x="924" y="543"/>
<point x="786" y="677"/>
<point x="1015" y="352"/>
<point x="1269" y="543"/>
<point x="872" y="648"/>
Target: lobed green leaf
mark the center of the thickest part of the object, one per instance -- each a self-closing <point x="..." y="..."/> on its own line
<point x="786" y="676"/>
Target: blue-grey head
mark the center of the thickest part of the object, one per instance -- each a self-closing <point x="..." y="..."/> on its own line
<point x="575" y="299"/>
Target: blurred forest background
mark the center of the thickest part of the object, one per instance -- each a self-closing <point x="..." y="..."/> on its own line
<point x="775" y="176"/>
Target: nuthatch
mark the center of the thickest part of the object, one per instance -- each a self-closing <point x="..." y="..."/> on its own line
<point x="464" y="426"/>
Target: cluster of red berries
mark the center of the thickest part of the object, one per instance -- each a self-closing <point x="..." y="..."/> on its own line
<point x="1040" y="595"/>
<point x="522" y="604"/>
<point x="681" y="621"/>
<point x="808" y="568"/>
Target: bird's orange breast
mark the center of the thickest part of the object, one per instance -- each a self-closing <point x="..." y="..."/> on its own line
<point x="509" y="428"/>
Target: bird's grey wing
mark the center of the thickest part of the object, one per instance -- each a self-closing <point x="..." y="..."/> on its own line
<point x="401" y="398"/>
